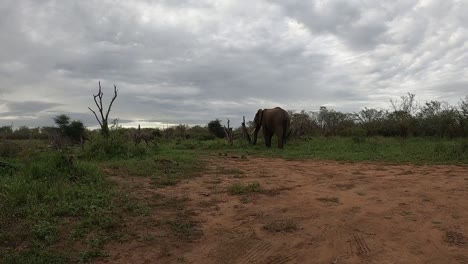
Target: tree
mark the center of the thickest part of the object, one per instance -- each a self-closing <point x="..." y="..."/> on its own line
<point x="62" y="122"/>
<point x="333" y="122"/>
<point x="6" y="131"/>
<point x="464" y="107"/>
<point x="103" y="116"/>
<point x="463" y="119"/>
<point x="406" y="104"/>
<point x="302" y="124"/>
<point x="22" y="132"/>
<point x="371" y="120"/>
<point x="216" y="128"/>
<point x="74" y="130"/>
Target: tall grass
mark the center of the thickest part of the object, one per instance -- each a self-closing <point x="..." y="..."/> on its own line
<point x="53" y="210"/>
<point x="49" y="200"/>
<point x="385" y="149"/>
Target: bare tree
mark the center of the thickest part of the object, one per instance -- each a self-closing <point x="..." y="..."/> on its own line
<point x="407" y="104"/>
<point x="141" y="136"/>
<point x="228" y="133"/>
<point x="464" y="107"/>
<point x="245" y="131"/>
<point x="103" y="117"/>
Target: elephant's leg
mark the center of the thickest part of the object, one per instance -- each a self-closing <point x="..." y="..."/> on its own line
<point x="280" y="135"/>
<point x="265" y="135"/>
<point x="270" y="136"/>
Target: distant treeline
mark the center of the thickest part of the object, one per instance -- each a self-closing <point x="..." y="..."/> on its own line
<point x="406" y="118"/>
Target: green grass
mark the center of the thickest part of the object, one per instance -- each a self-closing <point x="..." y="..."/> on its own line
<point x="53" y="211"/>
<point x="382" y="149"/>
<point x="329" y="199"/>
<point x="45" y="201"/>
<point x="281" y="226"/>
<point x="240" y="188"/>
<point x="166" y="166"/>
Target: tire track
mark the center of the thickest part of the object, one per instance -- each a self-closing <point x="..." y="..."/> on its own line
<point x="256" y="254"/>
<point x="283" y="259"/>
<point x="361" y="245"/>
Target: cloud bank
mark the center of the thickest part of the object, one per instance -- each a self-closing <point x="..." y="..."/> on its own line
<point x="189" y="61"/>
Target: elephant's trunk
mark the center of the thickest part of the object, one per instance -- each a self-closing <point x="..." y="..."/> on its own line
<point x="255" y="134"/>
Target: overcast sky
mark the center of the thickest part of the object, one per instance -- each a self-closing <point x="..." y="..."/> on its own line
<point x="190" y="61"/>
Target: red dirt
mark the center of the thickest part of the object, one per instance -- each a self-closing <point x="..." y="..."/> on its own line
<point x="339" y="213"/>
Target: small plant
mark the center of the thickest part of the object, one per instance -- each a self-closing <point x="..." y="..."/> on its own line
<point x="9" y="149"/>
<point x="344" y="186"/>
<point x="88" y="256"/>
<point x="37" y="256"/>
<point x="281" y="226"/>
<point x="329" y="199"/>
<point x="185" y="229"/>
<point x="45" y="231"/>
<point x="239" y="188"/>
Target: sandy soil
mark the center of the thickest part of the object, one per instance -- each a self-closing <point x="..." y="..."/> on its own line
<point x="312" y="212"/>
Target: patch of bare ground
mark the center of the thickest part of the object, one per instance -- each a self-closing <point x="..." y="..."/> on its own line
<point x="301" y="212"/>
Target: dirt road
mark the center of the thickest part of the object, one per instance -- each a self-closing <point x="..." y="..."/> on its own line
<point x="313" y="212"/>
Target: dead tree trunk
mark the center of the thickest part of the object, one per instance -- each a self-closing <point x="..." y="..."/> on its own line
<point x="83" y="139"/>
<point x="228" y="133"/>
<point x="245" y="132"/>
<point x="103" y="117"/>
<point x="139" y="136"/>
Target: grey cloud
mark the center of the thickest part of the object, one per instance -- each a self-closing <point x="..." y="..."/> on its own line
<point x="27" y="108"/>
<point x="361" y="24"/>
<point x="189" y="61"/>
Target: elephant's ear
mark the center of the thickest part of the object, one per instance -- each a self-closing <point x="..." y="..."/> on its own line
<point x="259" y="115"/>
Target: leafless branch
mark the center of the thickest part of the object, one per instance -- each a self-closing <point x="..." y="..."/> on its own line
<point x="95" y="116"/>
<point x="103" y="121"/>
<point x="112" y="101"/>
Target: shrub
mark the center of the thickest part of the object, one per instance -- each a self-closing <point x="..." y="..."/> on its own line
<point x="9" y="149"/>
<point x="116" y="146"/>
<point x="215" y="128"/>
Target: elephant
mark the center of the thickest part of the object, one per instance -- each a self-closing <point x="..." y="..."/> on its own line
<point x="273" y="121"/>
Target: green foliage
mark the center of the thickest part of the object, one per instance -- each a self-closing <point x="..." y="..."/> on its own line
<point x="9" y="149"/>
<point x="62" y="121"/>
<point x="201" y="133"/>
<point x="185" y="229"/>
<point x="6" y="131"/>
<point x="357" y="134"/>
<point x="387" y="149"/>
<point x="117" y="145"/>
<point x="45" y="231"/>
<point x="36" y="256"/>
<point x="240" y="188"/>
<point x="303" y="124"/>
<point x="73" y="130"/>
<point x="167" y="167"/>
<point x="46" y="193"/>
<point x="332" y="122"/>
<point x="281" y="226"/>
<point x="22" y="132"/>
<point x="216" y="128"/>
<point x="89" y="255"/>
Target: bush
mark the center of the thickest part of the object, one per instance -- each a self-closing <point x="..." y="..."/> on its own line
<point x="73" y="130"/>
<point x="9" y="149"/>
<point x="216" y="128"/>
<point x="116" y="146"/>
<point x="357" y="134"/>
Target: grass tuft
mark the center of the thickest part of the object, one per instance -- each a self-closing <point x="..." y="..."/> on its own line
<point x="329" y="199"/>
<point x="240" y="188"/>
<point x="281" y="226"/>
